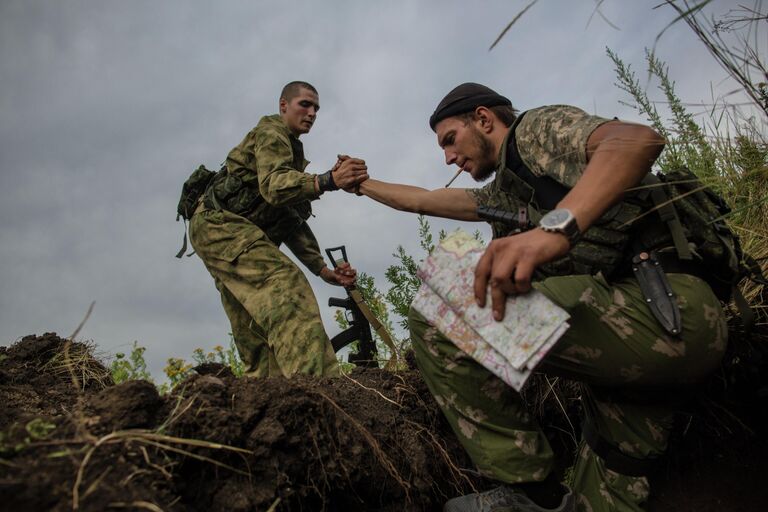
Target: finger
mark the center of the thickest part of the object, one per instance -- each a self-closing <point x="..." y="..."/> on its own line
<point x="482" y="271"/>
<point x="523" y="275"/>
<point x="347" y="168"/>
<point x="499" y="297"/>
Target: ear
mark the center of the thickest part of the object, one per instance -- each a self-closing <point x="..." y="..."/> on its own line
<point x="484" y="119"/>
<point x="283" y="105"/>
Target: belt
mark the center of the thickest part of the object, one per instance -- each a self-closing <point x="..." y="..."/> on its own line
<point x="672" y="264"/>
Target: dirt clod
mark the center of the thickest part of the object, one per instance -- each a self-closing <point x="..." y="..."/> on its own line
<point x="372" y="440"/>
<point x="368" y="441"/>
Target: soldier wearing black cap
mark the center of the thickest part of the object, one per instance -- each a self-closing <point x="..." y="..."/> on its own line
<point x="568" y="172"/>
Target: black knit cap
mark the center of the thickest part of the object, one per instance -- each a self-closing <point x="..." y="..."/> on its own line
<point x="466" y="98"/>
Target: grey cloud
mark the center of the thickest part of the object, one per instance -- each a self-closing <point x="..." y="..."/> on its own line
<point x="107" y="106"/>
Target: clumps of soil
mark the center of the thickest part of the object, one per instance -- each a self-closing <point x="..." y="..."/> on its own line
<point x="71" y="439"/>
<point x="43" y="377"/>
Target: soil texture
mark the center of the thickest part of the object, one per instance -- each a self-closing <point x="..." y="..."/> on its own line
<point x="70" y="439"/>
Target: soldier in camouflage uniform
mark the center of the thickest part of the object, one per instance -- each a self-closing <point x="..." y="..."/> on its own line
<point x="559" y="157"/>
<point x="258" y="202"/>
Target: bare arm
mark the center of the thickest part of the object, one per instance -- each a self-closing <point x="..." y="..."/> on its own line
<point x="619" y="155"/>
<point x="451" y="203"/>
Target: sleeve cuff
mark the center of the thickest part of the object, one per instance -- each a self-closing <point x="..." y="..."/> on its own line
<point x="316" y="266"/>
<point x="308" y="188"/>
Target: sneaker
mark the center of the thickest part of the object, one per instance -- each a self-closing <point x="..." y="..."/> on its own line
<point x="504" y="499"/>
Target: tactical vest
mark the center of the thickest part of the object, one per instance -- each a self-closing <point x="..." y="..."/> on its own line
<point x="606" y="247"/>
<point x="238" y="192"/>
<point x="672" y="215"/>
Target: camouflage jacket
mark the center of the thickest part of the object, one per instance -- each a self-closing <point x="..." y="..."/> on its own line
<point x="273" y="191"/>
<point x="544" y="155"/>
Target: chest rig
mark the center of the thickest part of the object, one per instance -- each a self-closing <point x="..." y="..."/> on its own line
<point x="238" y="192"/>
<point x="606" y="247"/>
<point x="625" y="240"/>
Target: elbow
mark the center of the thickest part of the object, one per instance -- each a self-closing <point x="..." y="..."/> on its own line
<point x="651" y="143"/>
<point x="655" y="144"/>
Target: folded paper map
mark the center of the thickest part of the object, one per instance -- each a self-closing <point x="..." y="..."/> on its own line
<point x="510" y="349"/>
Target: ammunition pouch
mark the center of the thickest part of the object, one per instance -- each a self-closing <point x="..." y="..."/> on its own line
<point x="228" y="192"/>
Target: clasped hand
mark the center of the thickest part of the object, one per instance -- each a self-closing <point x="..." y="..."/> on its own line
<point x="349" y="172"/>
<point x="508" y="264"/>
<point x="343" y="275"/>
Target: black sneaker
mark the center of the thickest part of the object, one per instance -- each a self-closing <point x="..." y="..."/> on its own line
<point x="504" y="499"/>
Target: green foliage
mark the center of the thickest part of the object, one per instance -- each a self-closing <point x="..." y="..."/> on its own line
<point x="403" y="285"/>
<point x="133" y="367"/>
<point x="39" y="429"/>
<point x="392" y="306"/>
<point x="177" y="369"/>
<point x="734" y="166"/>
<point x="686" y="144"/>
<point x="377" y="304"/>
<point x="402" y="278"/>
<point x="228" y="357"/>
<point x="35" y="430"/>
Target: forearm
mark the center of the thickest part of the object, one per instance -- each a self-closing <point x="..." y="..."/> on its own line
<point x="623" y="156"/>
<point x="449" y="203"/>
<point x="304" y="246"/>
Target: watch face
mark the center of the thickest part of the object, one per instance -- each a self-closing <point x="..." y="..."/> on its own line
<point x="556" y="217"/>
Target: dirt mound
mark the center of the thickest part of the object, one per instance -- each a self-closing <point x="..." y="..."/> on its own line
<point x="41" y="376"/>
<point x="71" y="439"/>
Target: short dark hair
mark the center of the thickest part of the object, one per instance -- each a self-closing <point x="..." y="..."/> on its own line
<point x="291" y="89"/>
<point x="506" y="114"/>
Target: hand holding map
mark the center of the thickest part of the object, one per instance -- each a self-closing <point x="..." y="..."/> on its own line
<point x="510" y="349"/>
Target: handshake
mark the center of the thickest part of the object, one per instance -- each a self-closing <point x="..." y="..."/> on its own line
<point x="346" y="174"/>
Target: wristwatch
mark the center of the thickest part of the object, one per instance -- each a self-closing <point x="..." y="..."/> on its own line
<point x="561" y="220"/>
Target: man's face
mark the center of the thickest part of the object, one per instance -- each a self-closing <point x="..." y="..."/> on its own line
<point x="467" y="147"/>
<point x="299" y="112"/>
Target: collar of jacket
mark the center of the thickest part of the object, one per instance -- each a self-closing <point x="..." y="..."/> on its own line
<point x="275" y="121"/>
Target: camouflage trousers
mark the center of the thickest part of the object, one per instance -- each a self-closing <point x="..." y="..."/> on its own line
<point x="275" y="318"/>
<point x="616" y="348"/>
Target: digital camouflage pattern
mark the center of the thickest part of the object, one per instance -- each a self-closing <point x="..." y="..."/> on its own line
<point x="259" y="202"/>
<point x="615" y="347"/>
<point x="614" y="344"/>
<point x="552" y="141"/>
<point x="604" y="246"/>
<point x="274" y="314"/>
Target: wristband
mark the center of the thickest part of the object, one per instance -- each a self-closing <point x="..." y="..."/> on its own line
<point x="325" y="182"/>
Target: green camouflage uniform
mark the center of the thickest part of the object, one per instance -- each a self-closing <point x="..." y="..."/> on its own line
<point x="275" y="317"/>
<point x="627" y="363"/>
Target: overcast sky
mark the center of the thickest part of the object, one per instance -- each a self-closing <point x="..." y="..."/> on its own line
<point x="107" y="106"/>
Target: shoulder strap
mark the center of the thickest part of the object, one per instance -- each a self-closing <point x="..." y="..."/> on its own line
<point x="546" y="191"/>
<point x="666" y="209"/>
